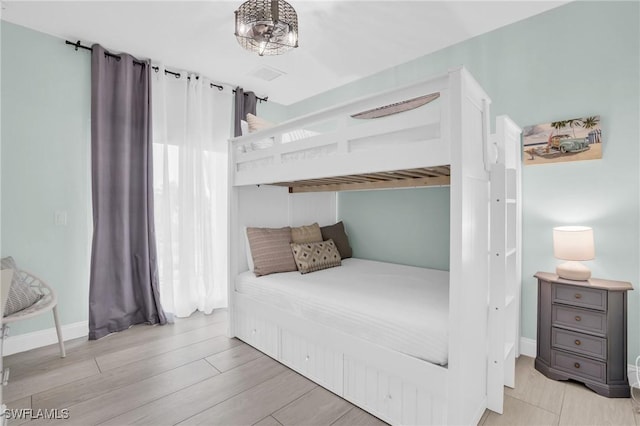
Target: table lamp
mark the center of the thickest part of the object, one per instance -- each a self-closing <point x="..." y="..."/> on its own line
<point x="573" y="244"/>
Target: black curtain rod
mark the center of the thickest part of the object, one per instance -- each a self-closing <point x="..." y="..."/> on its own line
<point x="77" y="46"/>
<point x="258" y="98"/>
<point x="177" y="75"/>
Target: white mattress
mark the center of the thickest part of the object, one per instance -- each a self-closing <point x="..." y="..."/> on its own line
<point x="400" y="307"/>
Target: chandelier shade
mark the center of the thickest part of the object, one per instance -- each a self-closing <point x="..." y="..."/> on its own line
<point x="267" y="27"/>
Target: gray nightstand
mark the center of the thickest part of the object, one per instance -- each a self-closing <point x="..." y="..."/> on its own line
<point x="582" y="332"/>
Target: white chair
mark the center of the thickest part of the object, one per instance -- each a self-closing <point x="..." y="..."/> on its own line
<point x="47" y="302"/>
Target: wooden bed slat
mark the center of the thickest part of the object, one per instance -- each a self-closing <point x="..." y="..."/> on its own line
<point x="401" y="183"/>
<point x="445" y="171"/>
<point x="428" y="176"/>
<point x="412" y="175"/>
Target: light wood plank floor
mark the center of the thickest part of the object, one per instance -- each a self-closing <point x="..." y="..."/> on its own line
<point x="185" y="373"/>
<point x="537" y="400"/>
<point x="190" y="373"/>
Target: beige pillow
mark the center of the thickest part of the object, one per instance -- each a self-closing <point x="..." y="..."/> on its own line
<point x="270" y="250"/>
<point x="258" y="123"/>
<point x="306" y="234"/>
<point x="311" y="257"/>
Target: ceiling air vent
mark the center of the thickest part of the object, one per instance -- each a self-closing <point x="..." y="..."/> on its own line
<point x="266" y="73"/>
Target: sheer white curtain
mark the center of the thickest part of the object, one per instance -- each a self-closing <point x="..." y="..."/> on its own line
<point x="191" y="125"/>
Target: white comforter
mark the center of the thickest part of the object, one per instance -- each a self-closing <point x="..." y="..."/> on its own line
<point x="400" y="307"/>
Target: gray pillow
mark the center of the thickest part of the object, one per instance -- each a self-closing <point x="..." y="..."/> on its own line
<point x="270" y="250"/>
<point x="21" y="295"/>
<point x="339" y="236"/>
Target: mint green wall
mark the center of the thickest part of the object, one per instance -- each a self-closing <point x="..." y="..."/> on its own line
<point x="272" y="111"/>
<point x="46" y="135"/>
<point x="2" y="296"/>
<point x="579" y="59"/>
<point x="407" y="226"/>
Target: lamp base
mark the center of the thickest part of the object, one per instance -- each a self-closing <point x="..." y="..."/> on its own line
<point x="573" y="270"/>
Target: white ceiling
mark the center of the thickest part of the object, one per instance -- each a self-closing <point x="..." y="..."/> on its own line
<point x="340" y="41"/>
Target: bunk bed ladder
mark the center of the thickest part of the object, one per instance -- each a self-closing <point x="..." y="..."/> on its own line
<point x="505" y="261"/>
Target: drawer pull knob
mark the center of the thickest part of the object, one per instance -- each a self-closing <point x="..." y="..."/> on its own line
<point x="578" y="296"/>
<point x="306" y="358"/>
<point x="388" y="397"/>
<point x="578" y="342"/>
<point x="254" y="331"/>
<point x="578" y="318"/>
<point x="576" y="365"/>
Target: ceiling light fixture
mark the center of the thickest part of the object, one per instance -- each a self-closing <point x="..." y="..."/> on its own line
<point x="267" y="27"/>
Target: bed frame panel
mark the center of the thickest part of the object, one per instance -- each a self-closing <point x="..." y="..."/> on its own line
<point x="398" y="388"/>
<point x="403" y="141"/>
<point x="395" y="387"/>
<point x="469" y="250"/>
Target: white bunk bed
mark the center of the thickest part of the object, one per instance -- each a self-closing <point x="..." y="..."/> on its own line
<point x="445" y="142"/>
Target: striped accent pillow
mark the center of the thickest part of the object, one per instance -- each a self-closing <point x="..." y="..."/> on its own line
<point x="270" y="250"/>
<point x="312" y="257"/>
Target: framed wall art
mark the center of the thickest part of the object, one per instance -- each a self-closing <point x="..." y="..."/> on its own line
<point x="576" y="139"/>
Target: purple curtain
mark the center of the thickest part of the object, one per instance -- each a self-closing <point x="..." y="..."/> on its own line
<point x="124" y="272"/>
<point x="245" y="103"/>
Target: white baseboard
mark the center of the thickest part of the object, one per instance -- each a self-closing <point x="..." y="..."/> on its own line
<point x="528" y="347"/>
<point x="40" y="338"/>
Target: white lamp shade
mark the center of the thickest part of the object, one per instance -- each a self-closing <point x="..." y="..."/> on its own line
<point x="573" y="243"/>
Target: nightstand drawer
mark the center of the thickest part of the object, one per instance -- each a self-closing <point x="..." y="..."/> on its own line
<point x="579" y="366"/>
<point x="579" y="296"/>
<point x="579" y="319"/>
<point x="584" y="344"/>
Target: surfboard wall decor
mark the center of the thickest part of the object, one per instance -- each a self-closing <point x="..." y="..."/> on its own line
<point x="396" y="108"/>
